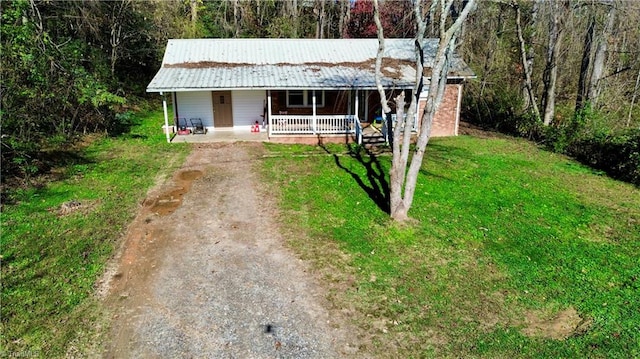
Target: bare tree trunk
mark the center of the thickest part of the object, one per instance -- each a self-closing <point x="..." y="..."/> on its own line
<point x="236" y="18"/>
<point x="553" y="49"/>
<point x="633" y="99"/>
<point x="320" y="12"/>
<point x="398" y="167"/>
<point x="293" y="13"/>
<point x="599" y="58"/>
<point x="531" y="52"/>
<point x="403" y="182"/>
<point x="437" y="83"/>
<point x="379" y="56"/>
<point x="622" y="49"/>
<point x="194" y="12"/>
<point x="526" y="67"/>
<point x="583" y="90"/>
<point x="344" y="16"/>
<point x="116" y="35"/>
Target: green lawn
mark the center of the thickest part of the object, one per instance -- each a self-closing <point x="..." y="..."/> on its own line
<point x="50" y="262"/>
<point x="502" y="232"/>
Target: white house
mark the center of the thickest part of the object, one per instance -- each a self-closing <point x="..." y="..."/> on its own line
<point x="302" y="88"/>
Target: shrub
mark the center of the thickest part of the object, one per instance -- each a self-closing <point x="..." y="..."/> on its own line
<point x="617" y="154"/>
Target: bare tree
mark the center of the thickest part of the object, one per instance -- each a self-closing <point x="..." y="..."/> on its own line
<point x="403" y="181"/>
<point x="344" y="16"/>
<point x="594" y="55"/>
<point x="583" y="90"/>
<point x="236" y="18"/>
<point x="118" y="32"/>
<point x="633" y="99"/>
<point x="600" y="56"/>
<point x="527" y="63"/>
<point x="319" y="10"/>
<point x="556" y="16"/>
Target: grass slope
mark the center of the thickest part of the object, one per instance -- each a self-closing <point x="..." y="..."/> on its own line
<point x="50" y="262"/>
<point x="505" y="236"/>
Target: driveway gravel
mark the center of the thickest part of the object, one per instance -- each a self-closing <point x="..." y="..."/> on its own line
<point x="204" y="272"/>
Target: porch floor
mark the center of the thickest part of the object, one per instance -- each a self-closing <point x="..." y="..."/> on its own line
<point x="224" y="136"/>
<point x="262" y="136"/>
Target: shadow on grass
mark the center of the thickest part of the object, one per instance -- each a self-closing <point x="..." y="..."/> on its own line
<point x="41" y="168"/>
<point x="375" y="183"/>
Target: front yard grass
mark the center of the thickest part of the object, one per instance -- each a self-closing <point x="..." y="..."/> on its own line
<point x="56" y="238"/>
<point x="512" y="251"/>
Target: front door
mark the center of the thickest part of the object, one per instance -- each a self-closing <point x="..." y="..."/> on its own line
<point x="222" y="114"/>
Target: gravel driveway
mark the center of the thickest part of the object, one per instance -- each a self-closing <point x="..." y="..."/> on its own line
<point x="204" y="272"/>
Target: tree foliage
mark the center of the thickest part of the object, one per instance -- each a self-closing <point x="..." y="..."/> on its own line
<point x="396" y="18"/>
<point x="68" y="66"/>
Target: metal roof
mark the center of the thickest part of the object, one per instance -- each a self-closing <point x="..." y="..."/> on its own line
<point x="214" y="64"/>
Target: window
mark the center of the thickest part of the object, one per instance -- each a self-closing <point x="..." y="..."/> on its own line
<point x="296" y="98"/>
<point x="304" y="98"/>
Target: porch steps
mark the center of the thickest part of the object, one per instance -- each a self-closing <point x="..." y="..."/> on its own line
<point x="372" y="137"/>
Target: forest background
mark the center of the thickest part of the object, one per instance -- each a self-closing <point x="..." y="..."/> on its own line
<point x="565" y="74"/>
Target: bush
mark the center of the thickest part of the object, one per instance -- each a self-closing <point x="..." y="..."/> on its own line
<point x="616" y="154"/>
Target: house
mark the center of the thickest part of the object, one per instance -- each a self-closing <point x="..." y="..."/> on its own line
<point x="295" y="89"/>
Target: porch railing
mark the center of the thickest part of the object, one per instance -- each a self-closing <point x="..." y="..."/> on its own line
<point x="358" y="130"/>
<point x="414" y="126"/>
<point x="310" y="125"/>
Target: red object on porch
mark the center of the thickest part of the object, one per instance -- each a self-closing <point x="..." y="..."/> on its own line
<point x="182" y="126"/>
<point x="255" y="127"/>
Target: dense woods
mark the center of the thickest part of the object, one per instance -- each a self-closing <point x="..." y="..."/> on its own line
<point x="564" y="73"/>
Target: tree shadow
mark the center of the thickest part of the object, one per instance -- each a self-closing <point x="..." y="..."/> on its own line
<point x="42" y="167"/>
<point x="374" y="183"/>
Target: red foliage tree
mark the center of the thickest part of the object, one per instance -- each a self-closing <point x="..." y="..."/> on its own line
<point x="396" y="17"/>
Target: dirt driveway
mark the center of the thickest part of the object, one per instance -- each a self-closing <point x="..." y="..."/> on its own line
<point x="204" y="272"/>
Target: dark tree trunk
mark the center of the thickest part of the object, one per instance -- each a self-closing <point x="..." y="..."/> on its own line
<point x="583" y="89"/>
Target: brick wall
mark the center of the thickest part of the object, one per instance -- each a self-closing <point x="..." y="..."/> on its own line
<point x="444" y="123"/>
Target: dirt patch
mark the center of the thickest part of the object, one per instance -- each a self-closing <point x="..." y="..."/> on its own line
<point x="75" y="206"/>
<point x="559" y="326"/>
<point x="167" y="202"/>
<point x="469" y="129"/>
<point x="204" y="272"/>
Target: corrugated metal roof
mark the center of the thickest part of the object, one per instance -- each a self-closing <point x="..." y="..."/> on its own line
<point x="204" y="64"/>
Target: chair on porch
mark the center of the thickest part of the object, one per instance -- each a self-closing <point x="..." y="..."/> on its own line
<point x="198" y="127"/>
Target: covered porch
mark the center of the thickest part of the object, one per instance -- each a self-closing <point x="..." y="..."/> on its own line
<point x="277" y="115"/>
<point x="314" y="112"/>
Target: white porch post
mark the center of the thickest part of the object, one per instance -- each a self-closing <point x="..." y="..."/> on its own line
<point x="314" y="111"/>
<point x="166" y="116"/>
<point x="458" y="107"/>
<point x="366" y="105"/>
<point x="356" y="111"/>
<point x="269" y="110"/>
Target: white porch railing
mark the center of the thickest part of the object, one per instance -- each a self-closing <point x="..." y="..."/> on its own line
<point x="310" y="125"/>
<point x="357" y="130"/>
<point x="414" y="127"/>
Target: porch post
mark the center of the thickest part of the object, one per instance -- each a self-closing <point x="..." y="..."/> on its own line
<point x="166" y="117"/>
<point x="458" y="107"/>
<point x="356" y="111"/>
<point x="269" y="110"/>
<point x="314" y="111"/>
<point x="366" y="105"/>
